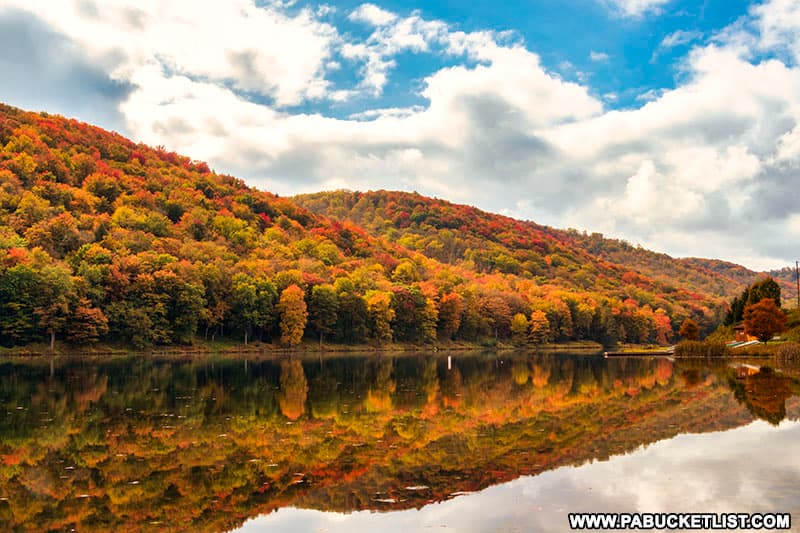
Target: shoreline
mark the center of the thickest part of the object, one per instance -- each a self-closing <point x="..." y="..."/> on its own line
<point x="261" y="349"/>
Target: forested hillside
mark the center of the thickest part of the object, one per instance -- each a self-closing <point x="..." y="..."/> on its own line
<point x="467" y="237"/>
<point x="460" y="234"/>
<point x="103" y="239"/>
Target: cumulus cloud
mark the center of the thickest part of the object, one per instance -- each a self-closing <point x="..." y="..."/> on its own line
<point x="255" y="49"/>
<point x="391" y="36"/>
<point x="708" y="167"/>
<point x="372" y="14"/>
<point x="41" y="66"/>
<point x="779" y="25"/>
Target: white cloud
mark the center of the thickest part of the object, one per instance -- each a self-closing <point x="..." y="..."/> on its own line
<point x="779" y="25"/>
<point x="260" y="50"/>
<point x="705" y="168"/>
<point x="598" y="56"/>
<point x="391" y="36"/>
<point x="701" y="473"/>
<point x="372" y="14"/>
<point x="675" y="39"/>
<point x="680" y="38"/>
<point x="637" y="8"/>
<point x="789" y="147"/>
<point x="650" y="95"/>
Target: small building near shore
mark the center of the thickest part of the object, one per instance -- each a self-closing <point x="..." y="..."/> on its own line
<point x="740" y="335"/>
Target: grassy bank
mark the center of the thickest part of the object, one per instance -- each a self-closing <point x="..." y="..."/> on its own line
<point x="228" y="347"/>
<point x="788" y="351"/>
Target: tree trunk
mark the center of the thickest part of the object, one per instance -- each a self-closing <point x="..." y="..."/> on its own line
<point x="52" y="341"/>
<point x="245" y="338"/>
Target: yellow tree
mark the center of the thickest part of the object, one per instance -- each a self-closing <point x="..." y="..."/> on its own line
<point x="519" y="328"/>
<point x="381" y="314"/>
<point x="540" y="328"/>
<point x="294" y="315"/>
<point x="430" y="316"/>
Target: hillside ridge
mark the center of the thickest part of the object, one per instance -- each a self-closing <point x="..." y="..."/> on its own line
<point x="104" y="239"/>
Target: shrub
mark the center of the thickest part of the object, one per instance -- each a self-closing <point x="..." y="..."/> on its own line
<point x="700" y="349"/>
<point x="788" y="353"/>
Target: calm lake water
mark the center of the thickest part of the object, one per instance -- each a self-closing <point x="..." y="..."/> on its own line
<point x="407" y="443"/>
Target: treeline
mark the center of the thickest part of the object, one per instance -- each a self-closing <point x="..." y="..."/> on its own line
<point x="155" y="299"/>
<point x="102" y="239"/>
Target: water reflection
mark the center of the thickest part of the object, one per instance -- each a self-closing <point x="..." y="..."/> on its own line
<point x="712" y="472"/>
<point x="207" y="444"/>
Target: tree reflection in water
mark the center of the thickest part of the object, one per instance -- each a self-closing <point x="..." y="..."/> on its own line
<point x="203" y="445"/>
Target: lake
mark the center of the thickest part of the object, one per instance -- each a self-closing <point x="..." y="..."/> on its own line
<point x="472" y="442"/>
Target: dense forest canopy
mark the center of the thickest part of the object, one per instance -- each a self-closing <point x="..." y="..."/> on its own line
<point x="103" y="239"/>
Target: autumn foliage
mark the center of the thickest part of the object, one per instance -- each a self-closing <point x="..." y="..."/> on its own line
<point x="102" y="239"/>
<point x="689" y="330"/>
<point x="764" y="319"/>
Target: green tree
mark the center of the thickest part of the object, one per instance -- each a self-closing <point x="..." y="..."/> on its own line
<point x="130" y="323"/>
<point x="17" y="319"/>
<point x="766" y="288"/>
<point x="605" y="328"/>
<point x="244" y="304"/>
<point x="252" y="304"/>
<point x="54" y="290"/>
<point x="184" y="305"/>
<point x="351" y="324"/>
<point x="323" y="309"/>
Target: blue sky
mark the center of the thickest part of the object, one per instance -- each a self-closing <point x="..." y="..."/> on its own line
<point x="571" y="37"/>
<point x="673" y="124"/>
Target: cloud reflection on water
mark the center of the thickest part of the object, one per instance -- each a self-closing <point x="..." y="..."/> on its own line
<point x="748" y="469"/>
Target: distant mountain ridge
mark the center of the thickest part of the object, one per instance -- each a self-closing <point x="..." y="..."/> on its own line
<point x="104" y="239"/>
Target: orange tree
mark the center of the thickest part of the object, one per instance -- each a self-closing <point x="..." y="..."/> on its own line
<point x="294" y="315"/>
<point x="764" y="319"/>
